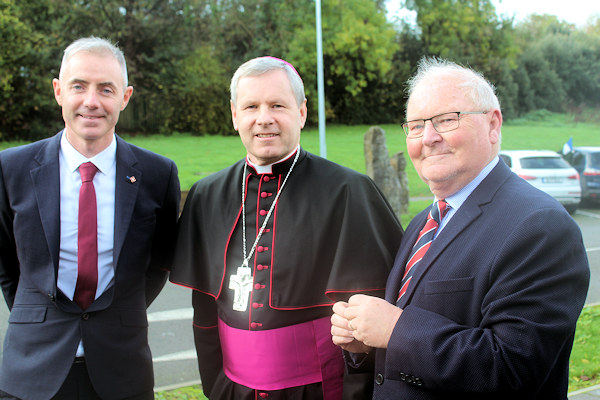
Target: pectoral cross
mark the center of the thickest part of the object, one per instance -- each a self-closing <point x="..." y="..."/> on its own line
<point x="241" y="284"/>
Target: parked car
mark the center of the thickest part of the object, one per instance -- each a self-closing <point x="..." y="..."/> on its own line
<point x="586" y="160"/>
<point x="547" y="171"/>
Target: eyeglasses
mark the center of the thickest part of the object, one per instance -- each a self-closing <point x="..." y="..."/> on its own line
<point x="441" y="123"/>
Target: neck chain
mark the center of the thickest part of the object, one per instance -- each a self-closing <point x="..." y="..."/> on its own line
<point x="262" y="228"/>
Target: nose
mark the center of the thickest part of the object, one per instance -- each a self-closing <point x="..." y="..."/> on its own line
<point x="265" y="116"/>
<point x="430" y="135"/>
<point x="91" y="99"/>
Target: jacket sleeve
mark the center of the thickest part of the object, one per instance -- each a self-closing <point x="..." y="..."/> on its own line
<point x="9" y="263"/>
<point x="206" y="338"/>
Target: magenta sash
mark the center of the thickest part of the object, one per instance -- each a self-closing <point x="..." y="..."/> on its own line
<point x="284" y="357"/>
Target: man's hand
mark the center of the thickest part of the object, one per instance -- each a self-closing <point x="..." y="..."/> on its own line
<point x="371" y="319"/>
<point x="341" y="331"/>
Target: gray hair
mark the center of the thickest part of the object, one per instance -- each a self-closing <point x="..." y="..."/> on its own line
<point x="481" y="91"/>
<point x="262" y="65"/>
<point x="98" y="46"/>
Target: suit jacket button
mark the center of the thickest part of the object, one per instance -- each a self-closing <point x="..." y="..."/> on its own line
<point x="379" y="379"/>
<point x="85" y="316"/>
<point x="51" y="296"/>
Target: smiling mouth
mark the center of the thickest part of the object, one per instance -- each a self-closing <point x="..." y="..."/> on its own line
<point x="266" y="135"/>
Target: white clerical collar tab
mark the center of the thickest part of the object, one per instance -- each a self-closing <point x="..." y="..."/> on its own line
<point x="268" y="169"/>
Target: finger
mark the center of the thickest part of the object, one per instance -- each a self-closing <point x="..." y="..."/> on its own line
<point x="340" y="332"/>
<point x="357" y="299"/>
<point x="339" y="321"/>
<point x="339" y="307"/>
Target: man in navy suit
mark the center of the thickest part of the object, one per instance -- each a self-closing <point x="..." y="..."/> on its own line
<point x="490" y="309"/>
<point x="57" y="347"/>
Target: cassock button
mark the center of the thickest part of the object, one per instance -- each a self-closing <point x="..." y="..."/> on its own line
<point x="267" y="179"/>
<point x="265" y="194"/>
<point x="257" y="305"/>
<point x="85" y="316"/>
<point x="255" y="325"/>
<point x="263" y="395"/>
<point x="379" y="379"/>
<point x="260" y="249"/>
<point x="262" y="213"/>
<point x="258" y="286"/>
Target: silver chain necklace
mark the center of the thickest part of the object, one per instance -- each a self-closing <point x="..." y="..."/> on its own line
<point x="241" y="282"/>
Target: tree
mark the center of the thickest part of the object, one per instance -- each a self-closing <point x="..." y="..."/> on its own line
<point x="358" y="47"/>
<point x="27" y="66"/>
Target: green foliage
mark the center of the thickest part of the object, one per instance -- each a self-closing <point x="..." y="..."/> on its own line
<point x="182" y="53"/>
<point x="559" y="67"/>
<point x="27" y="106"/>
<point x="358" y="47"/>
<point x="198" y="99"/>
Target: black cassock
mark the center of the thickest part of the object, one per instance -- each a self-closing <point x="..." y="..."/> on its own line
<point x="332" y="234"/>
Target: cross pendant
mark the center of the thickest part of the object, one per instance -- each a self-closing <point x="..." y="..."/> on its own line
<point x="241" y="284"/>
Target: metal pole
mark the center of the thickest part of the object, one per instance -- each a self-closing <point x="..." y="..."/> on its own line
<point x="320" y="84"/>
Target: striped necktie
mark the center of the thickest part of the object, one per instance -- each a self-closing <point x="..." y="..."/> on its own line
<point x="437" y="212"/>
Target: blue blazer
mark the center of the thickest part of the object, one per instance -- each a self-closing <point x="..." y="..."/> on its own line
<point x="45" y="327"/>
<point x="492" y="307"/>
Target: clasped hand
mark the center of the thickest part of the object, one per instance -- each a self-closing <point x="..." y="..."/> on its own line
<point x="363" y="322"/>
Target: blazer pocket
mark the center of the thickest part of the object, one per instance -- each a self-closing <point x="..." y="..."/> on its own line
<point x="27" y="315"/>
<point x="144" y="220"/>
<point x="136" y="319"/>
<point x="449" y="286"/>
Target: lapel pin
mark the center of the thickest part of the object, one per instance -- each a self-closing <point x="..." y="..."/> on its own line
<point x="131" y="179"/>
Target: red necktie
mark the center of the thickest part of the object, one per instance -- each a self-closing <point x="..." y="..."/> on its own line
<point x="87" y="239"/>
<point x="438" y="211"/>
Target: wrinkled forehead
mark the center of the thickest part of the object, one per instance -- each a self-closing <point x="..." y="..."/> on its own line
<point x="437" y="94"/>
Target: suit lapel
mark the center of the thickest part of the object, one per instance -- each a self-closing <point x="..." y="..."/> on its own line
<point x="46" y="186"/>
<point x="408" y="240"/>
<point x="128" y="180"/>
<point x="470" y="210"/>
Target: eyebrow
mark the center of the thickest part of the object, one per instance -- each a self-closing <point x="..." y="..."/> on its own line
<point x="78" y="80"/>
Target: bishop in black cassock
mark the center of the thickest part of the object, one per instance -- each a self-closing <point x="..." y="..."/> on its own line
<point x="266" y="332"/>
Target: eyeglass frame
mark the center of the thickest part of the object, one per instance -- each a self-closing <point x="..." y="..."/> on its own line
<point x="458" y="113"/>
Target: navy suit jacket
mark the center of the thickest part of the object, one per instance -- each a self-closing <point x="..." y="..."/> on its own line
<point x="492" y="307"/>
<point x="45" y="327"/>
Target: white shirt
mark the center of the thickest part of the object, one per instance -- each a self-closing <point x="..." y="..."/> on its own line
<point x="458" y="198"/>
<point x="104" y="184"/>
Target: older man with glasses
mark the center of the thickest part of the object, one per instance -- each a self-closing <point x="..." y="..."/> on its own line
<point x="489" y="281"/>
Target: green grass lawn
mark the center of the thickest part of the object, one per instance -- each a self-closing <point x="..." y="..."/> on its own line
<point x="199" y="156"/>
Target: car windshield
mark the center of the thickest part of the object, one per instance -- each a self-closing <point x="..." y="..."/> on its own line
<point x="543" y="162"/>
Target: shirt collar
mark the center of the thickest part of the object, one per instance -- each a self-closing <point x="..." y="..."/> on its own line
<point x="268" y="169"/>
<point x="103" y="160"/>
<point x="458" y="198"/>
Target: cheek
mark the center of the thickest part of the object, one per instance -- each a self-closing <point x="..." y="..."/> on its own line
<point x="413" y="147"/>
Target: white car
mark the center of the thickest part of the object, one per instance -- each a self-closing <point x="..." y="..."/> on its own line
<point x="547" y="171"/>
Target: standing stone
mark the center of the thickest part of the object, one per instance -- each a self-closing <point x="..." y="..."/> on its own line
<point x="398" y="162"/>
<point x="389" y="176"/>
